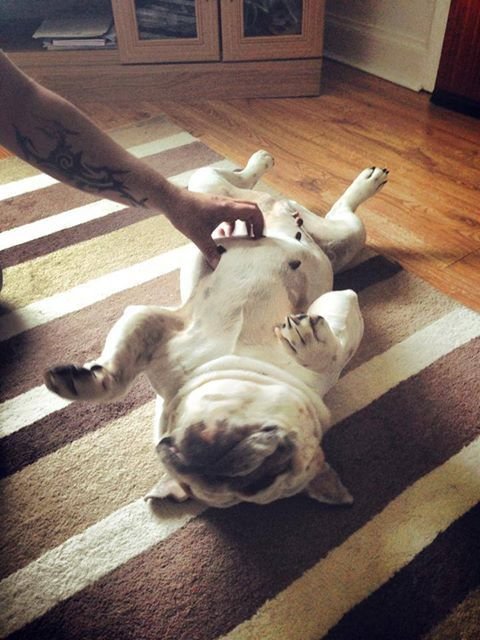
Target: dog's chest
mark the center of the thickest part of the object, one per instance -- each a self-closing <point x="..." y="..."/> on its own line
<point x="235" y="308"/>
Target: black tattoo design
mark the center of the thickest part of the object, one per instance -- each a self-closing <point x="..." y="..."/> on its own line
<point x="69" y="163"/>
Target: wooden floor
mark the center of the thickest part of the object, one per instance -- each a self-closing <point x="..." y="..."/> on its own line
<point x="427" y="217"/>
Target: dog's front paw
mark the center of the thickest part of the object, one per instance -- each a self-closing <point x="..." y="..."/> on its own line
<point x="310" y="339"/>
<point x="366" y="185"/>
<point x="79" y="383"/>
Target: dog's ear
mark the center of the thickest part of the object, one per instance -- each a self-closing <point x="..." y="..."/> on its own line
<point x="327" y="487"/>
<point x="167" y="487"/>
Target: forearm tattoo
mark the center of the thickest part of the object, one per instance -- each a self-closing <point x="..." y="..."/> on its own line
<point x="64" y="160"/>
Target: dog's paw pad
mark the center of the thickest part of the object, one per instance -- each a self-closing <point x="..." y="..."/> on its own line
<point x="78" y="383"/>
<point x="309" y="337"/>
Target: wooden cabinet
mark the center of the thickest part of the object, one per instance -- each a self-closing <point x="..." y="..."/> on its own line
<point x="202" y="49"/>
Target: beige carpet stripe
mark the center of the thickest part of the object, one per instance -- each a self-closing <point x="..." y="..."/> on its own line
<point x="92" y="291"/>
<point x="314" y="603"/>
<point x="26" y="534"/>
<point x="143" y="131"/>
<point x="80" y="263"/>
<point x="41" y="181"/>
<point x="13" y="169"/>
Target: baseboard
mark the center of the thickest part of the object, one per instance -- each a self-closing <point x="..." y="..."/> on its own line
<point x="384" y="53"/>
<point x="103" y="78"/>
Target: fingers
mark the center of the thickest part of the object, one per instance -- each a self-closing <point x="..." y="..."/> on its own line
<point x="197" y="216"/>
<point x="257" y="224"/>
<point x="251" y="214"/>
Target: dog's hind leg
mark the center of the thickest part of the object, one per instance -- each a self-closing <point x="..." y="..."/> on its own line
<point x="235" y="184"/>
<point x="341" y="233"/>
<point x="246" y="178"/>
<point x="135" y="342"/>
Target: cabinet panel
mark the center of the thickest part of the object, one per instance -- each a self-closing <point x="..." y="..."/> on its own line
<point x="272" y="29"/>
<point x="458" y="80"/>
<point x="167" y="30"/>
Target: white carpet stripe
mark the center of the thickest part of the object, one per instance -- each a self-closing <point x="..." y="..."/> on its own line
<point x="86" y="557"/>
<point x="360" y="387"/>
<point x="58" y="222"/>
<point x="26" y="408"/>
<point x="314" y="603"/>
<point x="48" y="580"/>
<point x="25" y="185"/>
<point x="32" y="183"/>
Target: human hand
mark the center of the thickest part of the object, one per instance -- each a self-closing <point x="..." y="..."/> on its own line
<point x="197" y="215"/>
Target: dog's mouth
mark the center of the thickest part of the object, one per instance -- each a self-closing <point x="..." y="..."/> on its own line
<point x="246" y="465"/>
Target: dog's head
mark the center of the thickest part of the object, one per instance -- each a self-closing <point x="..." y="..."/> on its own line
<point x="232" y="441"/>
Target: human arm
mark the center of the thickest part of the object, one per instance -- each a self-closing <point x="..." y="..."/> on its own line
<point x="53" y="135"/>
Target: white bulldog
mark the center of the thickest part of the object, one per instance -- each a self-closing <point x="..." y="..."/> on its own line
<point x="241" y="367"/>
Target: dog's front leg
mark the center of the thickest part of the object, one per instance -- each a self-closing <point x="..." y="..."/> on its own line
<point x="326" y="337"/>
<point x="135" y="340"/>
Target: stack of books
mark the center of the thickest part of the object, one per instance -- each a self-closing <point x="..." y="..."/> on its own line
<point x="77" y="32"/>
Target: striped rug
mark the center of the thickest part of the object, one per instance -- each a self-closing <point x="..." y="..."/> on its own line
<point x="82" y="556"/>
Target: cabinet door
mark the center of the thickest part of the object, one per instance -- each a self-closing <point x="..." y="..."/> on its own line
<point x="272" y="29"/>
<point x="458" y="81"/>
<point x="167" y="30"/>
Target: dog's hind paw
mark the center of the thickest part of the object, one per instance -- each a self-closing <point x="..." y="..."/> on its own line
<point x="261" y="160"/>
<point x="79" y="383"/>
<point x="365" y="185"/>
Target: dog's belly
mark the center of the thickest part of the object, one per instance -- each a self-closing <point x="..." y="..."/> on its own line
<point x="234" y="309"/>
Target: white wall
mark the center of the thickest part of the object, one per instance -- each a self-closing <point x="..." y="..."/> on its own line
<point x="399" y="40"/>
